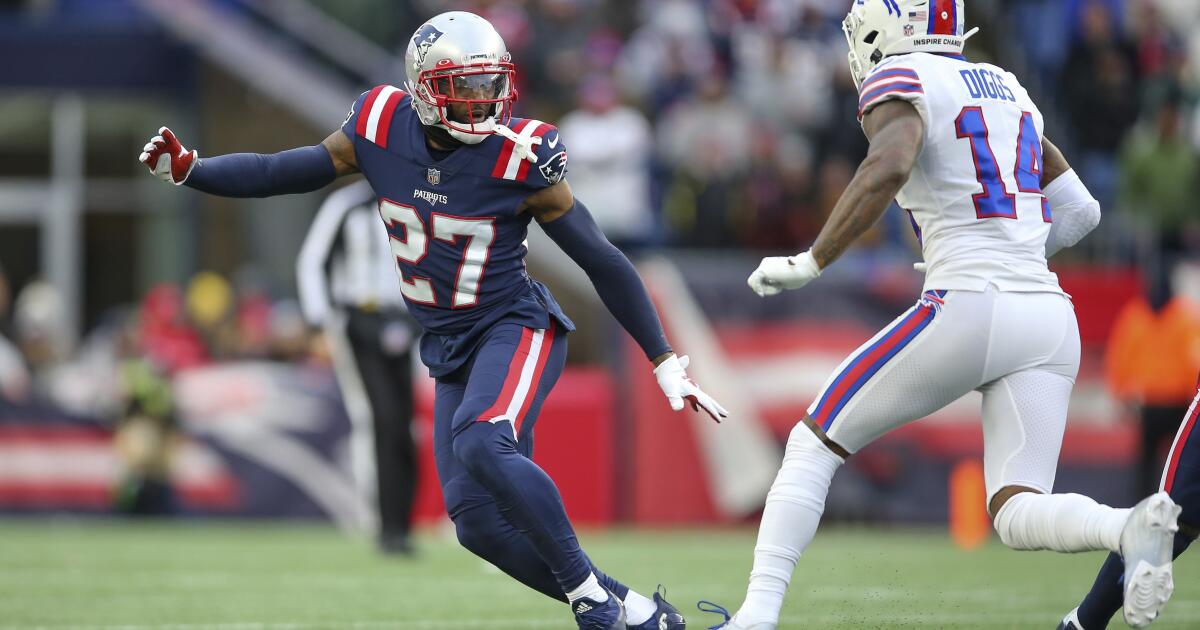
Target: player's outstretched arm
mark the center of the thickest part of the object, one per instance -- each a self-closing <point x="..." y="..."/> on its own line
<point x="567" y="221"/>
<point x="299" y="170"/>
<point x="1073" y="210"/>
<point x="896" y="133"/>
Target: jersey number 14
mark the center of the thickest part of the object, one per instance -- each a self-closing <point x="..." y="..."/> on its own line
<point x="996" y="200"/>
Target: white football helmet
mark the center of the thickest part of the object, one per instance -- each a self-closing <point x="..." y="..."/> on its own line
<point x="458" y="59"/>
<point x="878" y="28"/>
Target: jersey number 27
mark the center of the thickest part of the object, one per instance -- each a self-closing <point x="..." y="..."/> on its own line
<point x="996" y="200"/>
<point x="415" y="245"/>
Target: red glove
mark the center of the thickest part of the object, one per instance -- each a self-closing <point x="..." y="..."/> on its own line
<point x="166" y="157"/>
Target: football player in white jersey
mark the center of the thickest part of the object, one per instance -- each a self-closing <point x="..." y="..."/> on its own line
<point x="959" y="145"/>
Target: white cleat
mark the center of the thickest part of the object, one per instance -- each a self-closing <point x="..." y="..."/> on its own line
<point x="1146" y="547"/>
<point x="730" y="622"/>
<point x="1071" y="621"/>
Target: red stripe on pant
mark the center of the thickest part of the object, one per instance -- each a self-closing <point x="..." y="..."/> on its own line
<point x="543" y="358"/>
<point x="861" y="366"/>
<point x="500" y="407"/>
<point x="1181" y="440"/>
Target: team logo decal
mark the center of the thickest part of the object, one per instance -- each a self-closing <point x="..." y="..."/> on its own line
<point x="555" y="168"/>
<point x="433" y="176"/>
<point x="423" y="40"/>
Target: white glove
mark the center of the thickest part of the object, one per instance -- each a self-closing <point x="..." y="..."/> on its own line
<point x="783" y="272"/>
<point x="920" y="267"/>
<point x="678" y="387"/>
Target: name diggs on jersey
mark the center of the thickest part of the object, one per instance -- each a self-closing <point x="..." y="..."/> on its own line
<point x="984" y="84"/>
<point x="431" y="198"/>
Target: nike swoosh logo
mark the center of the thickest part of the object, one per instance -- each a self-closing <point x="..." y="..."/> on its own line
<point x="553" y="143"/>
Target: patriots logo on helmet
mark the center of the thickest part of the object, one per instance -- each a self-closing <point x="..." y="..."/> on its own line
<point x="425" y="38"/>
<point x="555" y="168"/>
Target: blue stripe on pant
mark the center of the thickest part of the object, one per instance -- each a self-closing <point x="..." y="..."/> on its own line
<point x="868" y="363"/>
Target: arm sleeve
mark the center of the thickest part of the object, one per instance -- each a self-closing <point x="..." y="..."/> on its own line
<point x="1075" y="212"/>
<point x="257" y="175"/>
<point x="616" y="281"/>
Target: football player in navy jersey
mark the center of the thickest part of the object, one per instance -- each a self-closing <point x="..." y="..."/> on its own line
<point x="1180" y="479"/>
<point x="458" y="181"/>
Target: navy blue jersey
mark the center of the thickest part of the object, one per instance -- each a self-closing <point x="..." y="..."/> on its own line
<point x="454" y="228"/>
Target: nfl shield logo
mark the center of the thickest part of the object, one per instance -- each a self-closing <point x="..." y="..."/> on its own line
<point x="908" y="30"/>
<point x="433" y="176"/>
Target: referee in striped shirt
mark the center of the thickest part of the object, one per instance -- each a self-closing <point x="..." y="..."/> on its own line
<point x="348" y="287"/>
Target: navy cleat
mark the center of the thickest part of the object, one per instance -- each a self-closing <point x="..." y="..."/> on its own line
<point x="593" y="615"/>
<point x="665" y="617"/>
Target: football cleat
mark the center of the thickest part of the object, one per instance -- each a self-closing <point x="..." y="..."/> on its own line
<point x="665" y="617"/>
<point x="1146" y="547"/>
<point x="593" y="615"/>
<point x="728" y="623"/>
<point x="1070" y="622"/>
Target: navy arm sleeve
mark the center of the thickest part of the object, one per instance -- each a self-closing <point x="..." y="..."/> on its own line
<point x="616" y="281"/>
<point x="257" y="175"/>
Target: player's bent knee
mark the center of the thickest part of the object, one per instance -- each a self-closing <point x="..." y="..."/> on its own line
<point x="474" y="533"/>
<point x="473" y="445"/>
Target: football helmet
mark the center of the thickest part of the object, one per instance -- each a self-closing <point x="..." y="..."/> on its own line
<point x="878" y="28"/>
<point x="460" y="76"/>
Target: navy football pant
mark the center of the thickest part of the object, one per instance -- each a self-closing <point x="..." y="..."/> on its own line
<point x="1181" y="479"/>
<point x="505" y="508"/>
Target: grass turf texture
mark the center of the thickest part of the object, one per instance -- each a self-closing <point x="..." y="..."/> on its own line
<point x="106" y="575"/>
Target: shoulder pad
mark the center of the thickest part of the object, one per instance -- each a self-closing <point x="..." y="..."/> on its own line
<point x="374" y="118"/>
<point x="512" y="166"/>
<point x="895" y="79"/>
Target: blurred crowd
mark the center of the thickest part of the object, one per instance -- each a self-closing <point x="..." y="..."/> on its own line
<point x="731" y="123"/>
<point x="172" y="328"/>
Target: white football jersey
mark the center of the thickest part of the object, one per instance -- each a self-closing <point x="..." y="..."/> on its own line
<point x="975" y="196"/>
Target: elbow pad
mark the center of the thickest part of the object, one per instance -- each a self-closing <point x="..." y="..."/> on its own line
<point x="1074" y="211"/>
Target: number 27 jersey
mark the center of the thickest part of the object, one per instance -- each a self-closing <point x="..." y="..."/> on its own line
<point x="454" y="223"/>
<point x="974" y="197"/>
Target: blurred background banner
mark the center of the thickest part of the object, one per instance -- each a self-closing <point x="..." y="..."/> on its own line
<point x="154" y="360"/>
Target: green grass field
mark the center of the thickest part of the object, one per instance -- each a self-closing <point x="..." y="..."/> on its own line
<point x="98" y="575"/>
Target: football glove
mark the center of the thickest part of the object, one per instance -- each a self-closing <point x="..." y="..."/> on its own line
<point x="165" y="156"/>
<point x="674" y="381"/>
<point x="783" y="272"/>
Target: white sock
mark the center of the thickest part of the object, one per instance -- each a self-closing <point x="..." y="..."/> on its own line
<point x="789" y="521"/>
<point x="589" y="589"/>
<point x="1060" y="522"/>
<point x="638" y="608"/>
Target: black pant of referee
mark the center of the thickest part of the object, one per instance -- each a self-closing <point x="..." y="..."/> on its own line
<point x="381" y="344"/>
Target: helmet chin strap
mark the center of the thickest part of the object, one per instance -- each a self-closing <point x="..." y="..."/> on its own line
<point x="524" y="144"/>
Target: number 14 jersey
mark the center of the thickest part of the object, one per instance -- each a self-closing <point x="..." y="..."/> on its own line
<point x="975" y="197"/>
